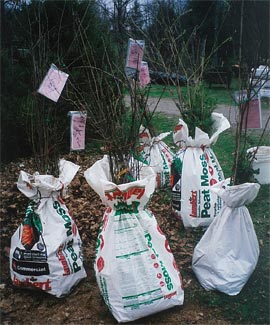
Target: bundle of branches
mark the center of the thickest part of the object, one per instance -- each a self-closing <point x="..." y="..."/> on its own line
<point x="196" y="108"/>
<point x="102" y="96"/>
<point x="45" y="131"/>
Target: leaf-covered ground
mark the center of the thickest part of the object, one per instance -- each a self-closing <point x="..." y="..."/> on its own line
<point x="85" y="305"/>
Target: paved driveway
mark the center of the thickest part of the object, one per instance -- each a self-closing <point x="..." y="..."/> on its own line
<point x="168" y="106"/>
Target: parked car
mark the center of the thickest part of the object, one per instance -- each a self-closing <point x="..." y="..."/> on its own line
<point x="164" y="78"/>
<point x="262" y="72"/>
<point x="265" y="89"/>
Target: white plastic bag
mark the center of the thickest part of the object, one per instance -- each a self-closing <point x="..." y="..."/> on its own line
<point x="135" y="269"/>
<point x="157" y="155"/>
<point x="228" y="252"/>
<point x="194" y="170"/>
<point x="46" y="249"/>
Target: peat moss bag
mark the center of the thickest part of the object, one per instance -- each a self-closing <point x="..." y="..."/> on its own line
<point x="194" y="170"/>
<point x="157" y="155"/>
<point x="228" y="252"/>
<point x="46" y="249"/>
<point x="134" y="266"/>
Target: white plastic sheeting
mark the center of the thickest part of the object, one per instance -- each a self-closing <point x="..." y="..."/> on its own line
<point x="228" y="252"/>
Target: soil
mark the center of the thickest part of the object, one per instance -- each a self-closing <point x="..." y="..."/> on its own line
<point x="85" y="305"/>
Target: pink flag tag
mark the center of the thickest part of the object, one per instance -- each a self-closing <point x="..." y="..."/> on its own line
<point x="77" y="130"/>
<point x="144" y="74"/>
<point x="53" y="83"/>
<point x="134" y="53"/>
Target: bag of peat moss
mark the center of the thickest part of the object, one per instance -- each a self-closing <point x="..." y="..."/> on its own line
<point x="46" y="249"/>
<point x="157" y="155"/>
<point x="135" y="269"/>
<point x="194" y="170"/>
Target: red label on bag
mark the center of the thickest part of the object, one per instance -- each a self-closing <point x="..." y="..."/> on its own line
<point x="31" y="282"/>
<point x="118" y="194"/>
<point x="178" y="128"/>
<point x="193" y="202"/>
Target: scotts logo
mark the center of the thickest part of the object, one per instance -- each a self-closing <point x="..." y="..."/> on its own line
<point x="32" y="282"/>
<point x="65" y="217"/>
<point x="125" y="195"/>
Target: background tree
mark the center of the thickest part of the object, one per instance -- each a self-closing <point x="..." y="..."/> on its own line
<point x="255" y="32"/>
<point x="41" y="33"/>
<point x="135" y="21"/>
<point x="35" y="34"/>
<point x="165" y="24"/>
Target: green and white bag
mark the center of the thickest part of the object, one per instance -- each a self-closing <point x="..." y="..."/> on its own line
<point x="135" y="268"/>
<point x="46" y="249"/>
<point x="194" y="170"/>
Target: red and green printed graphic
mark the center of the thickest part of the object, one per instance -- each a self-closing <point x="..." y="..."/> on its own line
<point x="136" y="191"/>
<point x="32" y="227"/>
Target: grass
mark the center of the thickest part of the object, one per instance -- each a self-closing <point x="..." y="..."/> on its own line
<point x="220" y="94"/>
<point x="224" y="148"/>
<point x="251" y="305"/>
